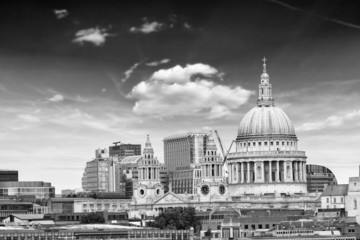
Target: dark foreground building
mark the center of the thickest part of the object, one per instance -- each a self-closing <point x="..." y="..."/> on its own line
<point x="9" y="176"/>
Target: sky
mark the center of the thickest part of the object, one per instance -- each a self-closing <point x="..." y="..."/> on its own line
<point x="79" y="75"/>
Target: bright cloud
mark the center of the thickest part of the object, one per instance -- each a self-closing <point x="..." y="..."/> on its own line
<point x="157" y="63"/>
<point x="332" y="121"/>
<point x="128" y="72"/>
<point x="28" y="118"/>
<point x="57" y="98"/>
<point x="175" y="91"/>
<point x="95" y="36"/>
<point x="61" y="13"/>
<point x="148" y="27"/>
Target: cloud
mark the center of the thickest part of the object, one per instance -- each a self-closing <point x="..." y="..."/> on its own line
<point x="180" y="74"/>
<point x="186" y="91"/>
<point x="129" y="71"/>
<point x="157" y="63"/>
<point x="61" y="13"/>
<point x="330" y="122"/>
<point x="95" y="36"/>
<point x="187" y="26"/>
<point x="291" y="7"/>
<point x="28" y="118"/>
<point x="57" y="98"/>
<point x="148" y="27"/>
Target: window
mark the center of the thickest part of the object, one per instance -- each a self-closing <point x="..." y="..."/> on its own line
<point x="277" y="143"/>
<point x="355" y="204"/>
<point x="259" y="143"/>
<point x="283" y="143"/>
<point x="246" y="226"/>
<point x="271" y="143"/>
<point x="265" y="143"/>
<point x="341" y="199"/>
<point x="254" y="144"/>
<point x="327" y="200"/>
<point x="334" y="199"/>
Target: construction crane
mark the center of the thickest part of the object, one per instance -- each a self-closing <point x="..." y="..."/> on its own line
<point x="219" y="140"/>
<point x="228" y="151"/>
<point x="116" y="143"/>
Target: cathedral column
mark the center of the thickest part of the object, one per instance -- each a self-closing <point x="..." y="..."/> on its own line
<point x="230" y="173"/>
<point x="277" y="177"/>
<point x="270" y="171"/>
<point x="301" y="172"/>
<point x="263" y="171"/>
<point x="248" y="172"/>
<point x="304" y="171"/>
<point x="296" y="177"/>
<point x="242" y="172"/>
<point x="284" y="172"/>
<point x="291" y="172"/>
<point x="237" y="172"/>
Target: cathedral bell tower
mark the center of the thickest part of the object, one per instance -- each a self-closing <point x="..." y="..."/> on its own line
<point x="265" y="89"/>
<point x="213" y="186"/>
<point x="148" y="187"/>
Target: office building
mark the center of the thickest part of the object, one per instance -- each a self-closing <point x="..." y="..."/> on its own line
<point x="318" y="177"/>
<point x="122" y="150"/>
<point x="27" y="188"/>
<point x="9" y="176"/>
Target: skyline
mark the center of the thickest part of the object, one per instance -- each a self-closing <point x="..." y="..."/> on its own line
<point x="76" y="77"/>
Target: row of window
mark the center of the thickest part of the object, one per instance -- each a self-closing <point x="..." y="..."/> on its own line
<point x="334" y="200"/>
<point x="277" y="143"/>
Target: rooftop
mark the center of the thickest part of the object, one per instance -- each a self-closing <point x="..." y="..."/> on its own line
<point x="336" y="190"/>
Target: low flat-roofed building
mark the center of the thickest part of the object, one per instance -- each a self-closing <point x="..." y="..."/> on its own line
<point x="37" y="188"/>
<point x="8" y="207"/>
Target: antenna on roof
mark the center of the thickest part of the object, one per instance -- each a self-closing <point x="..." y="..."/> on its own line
<point x="116" y="143"/>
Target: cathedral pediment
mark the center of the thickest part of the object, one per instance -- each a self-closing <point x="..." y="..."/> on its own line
<point x="170" y="197"/>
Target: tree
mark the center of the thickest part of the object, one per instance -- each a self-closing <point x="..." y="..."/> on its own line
<point x="177" y="218"/>
<point x="93" y="217"/>
<point x="208" y="233"/>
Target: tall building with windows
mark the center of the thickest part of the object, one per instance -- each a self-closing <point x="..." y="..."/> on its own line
<point x="266" y="160"/>
<point x="102" y="173"/>
<point x="182" y="156"/>
<point x="318" y="177"/>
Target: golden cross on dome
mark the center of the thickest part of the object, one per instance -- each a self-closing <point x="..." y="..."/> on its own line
<point x="264" y="65"/>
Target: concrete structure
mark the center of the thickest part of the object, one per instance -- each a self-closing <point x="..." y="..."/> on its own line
<point x="352" y="206"/>
<point x="9" y="176"/>
<point x="122" y="150"/>
<point x="266" y="160"/>
<point x="25" y="188"/>
<point x="102" y="173"/>
<point x="318" y="177"/>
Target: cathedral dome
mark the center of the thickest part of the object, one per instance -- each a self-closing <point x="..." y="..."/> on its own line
<point x="265" y="120"/>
